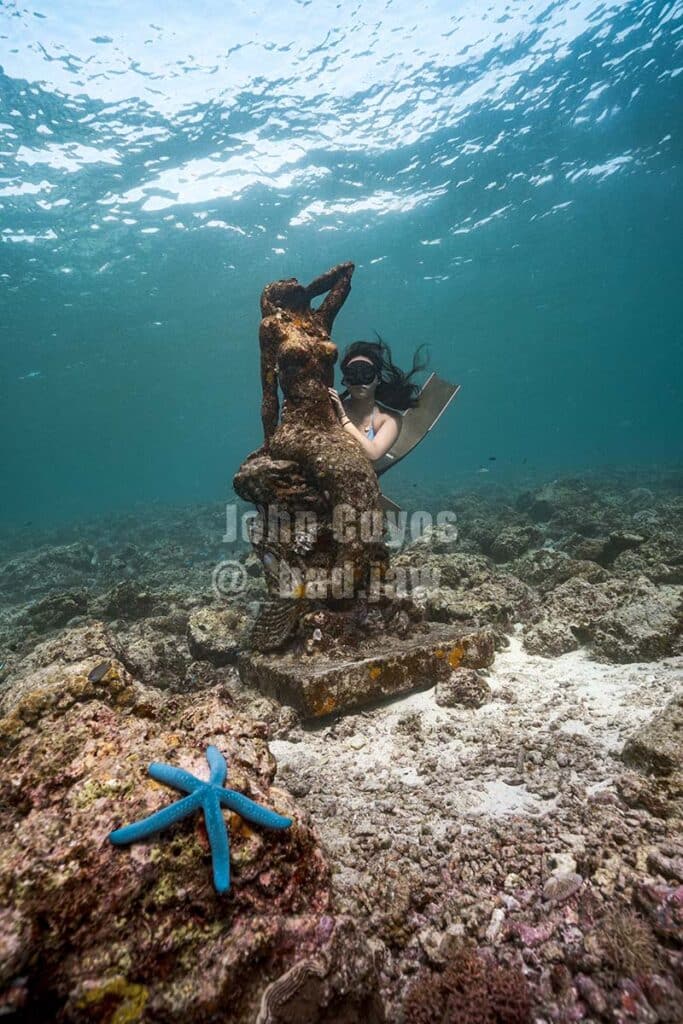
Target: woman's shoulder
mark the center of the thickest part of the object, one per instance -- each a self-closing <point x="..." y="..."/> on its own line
<point x="386" y="414"/>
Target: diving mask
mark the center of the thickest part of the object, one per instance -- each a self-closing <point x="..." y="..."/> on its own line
<point x="359" y="372"/>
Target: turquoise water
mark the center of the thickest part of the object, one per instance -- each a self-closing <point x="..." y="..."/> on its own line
<point x="506" y="177"/>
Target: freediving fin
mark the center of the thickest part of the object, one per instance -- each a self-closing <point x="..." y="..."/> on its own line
<point x="435" y="396"/>
<point x="387" y="505"/>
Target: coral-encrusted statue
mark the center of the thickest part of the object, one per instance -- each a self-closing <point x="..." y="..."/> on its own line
<point x="315" y="490"/>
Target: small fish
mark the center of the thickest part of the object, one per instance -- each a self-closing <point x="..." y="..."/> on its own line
<point x="28" y="376"/>
<point x="523" y="461"/>
<point x="492" y="458"/>
<point x="99" y="672"/>
<point x="483" y="470"/>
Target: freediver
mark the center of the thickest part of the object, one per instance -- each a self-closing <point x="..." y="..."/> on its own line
<point x="377" y="394"/>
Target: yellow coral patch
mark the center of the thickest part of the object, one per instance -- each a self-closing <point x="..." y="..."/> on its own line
<point x="112" y="675"/>
<point x="238" y="824"/>
<point x="132" y="1000"/>
<point x="455" y="656"/>
<point x="326" y="706"/>
<point x="375" y="672"/>
<point x="440" y="653"/>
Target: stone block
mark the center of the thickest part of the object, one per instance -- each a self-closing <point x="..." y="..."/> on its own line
<point x="321" y="685"/>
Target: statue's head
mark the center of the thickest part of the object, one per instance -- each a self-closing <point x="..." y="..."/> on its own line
<point x="287" y="294"/>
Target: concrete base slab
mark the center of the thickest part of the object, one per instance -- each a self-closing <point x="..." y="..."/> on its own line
<point x="318" y="685"/>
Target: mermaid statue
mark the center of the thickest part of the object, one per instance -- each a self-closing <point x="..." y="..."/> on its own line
<point x="319" y="530"/>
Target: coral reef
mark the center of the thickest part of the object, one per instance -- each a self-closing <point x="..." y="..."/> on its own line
<point x="91" y="933"/>
<point x="469" y="990"/>
<point x="539" y="830"/>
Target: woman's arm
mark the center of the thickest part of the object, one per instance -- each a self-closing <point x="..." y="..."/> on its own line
<point x="381" y="442"/>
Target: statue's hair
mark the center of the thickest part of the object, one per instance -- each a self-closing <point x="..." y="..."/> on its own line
<point x="395" y="389"/>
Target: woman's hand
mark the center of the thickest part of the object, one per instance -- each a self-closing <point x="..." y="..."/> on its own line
<point x="337" y="404"/>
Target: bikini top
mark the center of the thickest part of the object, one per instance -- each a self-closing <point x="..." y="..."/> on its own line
<point x="370" y="433"/>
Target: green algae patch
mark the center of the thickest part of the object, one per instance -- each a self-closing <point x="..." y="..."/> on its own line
<point x="93" y="789"/>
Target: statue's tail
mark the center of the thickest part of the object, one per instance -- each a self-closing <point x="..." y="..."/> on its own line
<point x="277" y="619"/>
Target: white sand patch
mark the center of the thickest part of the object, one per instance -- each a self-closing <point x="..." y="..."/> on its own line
<point x="500" y="798"/>
<point x="413" y="754"/>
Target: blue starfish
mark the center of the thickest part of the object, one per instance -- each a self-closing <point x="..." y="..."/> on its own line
<point x="210" y="796"/>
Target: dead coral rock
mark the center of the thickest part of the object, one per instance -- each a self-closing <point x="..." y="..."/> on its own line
<point x="645" y="626"/>
<point x="568" y="615"/>
<point x="669" y="867"/>
<point x="550" y="638"/>
<point x="15" y="944"/>
<point x="437" y="539"/>
<point x="454" y="570"/>
<point x="660" y="558"/>
<point x="622" y="619"/>
<point x="152" y="655"/>
<point x="463" y="688"/>
<point x="82" y="648"/>
<point x="657" y="747"/>
<point x="469" y="589"/>
<point x="618" y="541"/>
<point x="126" y="600"/>
<point x="547" y="569"/>
<point x="512" y="541"/>
<point x="478" y="649"/>
<point x="472" y="989"/>
<point x="50" y="569"/>
<point x="560" y="499"/>
<point x="55" y="610"/>
<point x="660" y="796"/>
<point x="287" y="720"/>
<point x="215" y="634"/>
<point x="317" y="990"/>
<point x="98" y="932"/>
<point x="604" y="549"/>
<point x="55" y="690"/>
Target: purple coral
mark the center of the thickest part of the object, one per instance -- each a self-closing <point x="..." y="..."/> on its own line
<point x="469" y="990"/>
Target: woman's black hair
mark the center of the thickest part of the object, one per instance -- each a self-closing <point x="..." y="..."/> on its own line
<point x="395" y="389"/>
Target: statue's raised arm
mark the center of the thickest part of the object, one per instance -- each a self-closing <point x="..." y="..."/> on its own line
<point x="291" y="330"/>
<point x="337" y="283"/>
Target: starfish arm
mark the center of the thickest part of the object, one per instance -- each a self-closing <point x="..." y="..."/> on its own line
<point x="218" y="839"/>
<point x="176" y="777"/>
<point x="156" y="822"/>
<point x="252" y="811"/>
<point x="217" y="764"/>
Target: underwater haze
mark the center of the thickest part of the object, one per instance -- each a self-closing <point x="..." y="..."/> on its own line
<point x="505" y="176"/>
